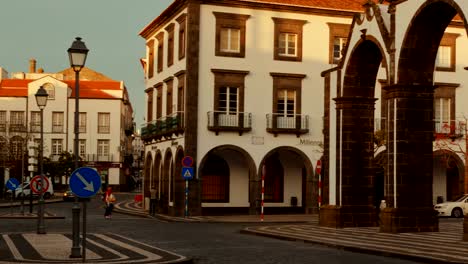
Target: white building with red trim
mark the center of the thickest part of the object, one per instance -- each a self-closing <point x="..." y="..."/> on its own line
<point x="105" y="124"/>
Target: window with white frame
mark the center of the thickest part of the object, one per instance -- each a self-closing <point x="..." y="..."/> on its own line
<point x="3" y="121"/>
<point x="82" y="123"/>
<point x="50" y="89"/>
<point x="35" y="121"/>
<point x="444" y="55"/>
<point x="57" y="122"/>
<point x="103" y="147"/>
<point x="339" y="44"/>
<point x="442" y="115"/>
<point x="287" y="44"/>
<point x="17" y="118"/>
<point x="82" y="147"/>
<point x="103" y="123"/>
<point x="288" y="37"/>
<point x="230" y="35"/>
<point x="286" y="102"/>
<point x="230" y="39"/>
<point x="57" y="146"/>
<point x="228" y="101"/>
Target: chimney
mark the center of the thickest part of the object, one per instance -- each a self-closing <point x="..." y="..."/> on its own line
<point x="32" y="65"/>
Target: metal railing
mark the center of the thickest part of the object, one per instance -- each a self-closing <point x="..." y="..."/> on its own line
<point x="222" y="119"/>
<point x="164" y="126"/>
<point x="281" y="121"/>
<point x="456" y="127"/>
<point x="99" y="158"/>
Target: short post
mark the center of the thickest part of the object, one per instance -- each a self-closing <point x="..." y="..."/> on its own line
<point x="186" y="198"/>
<point x="263" y="192"/>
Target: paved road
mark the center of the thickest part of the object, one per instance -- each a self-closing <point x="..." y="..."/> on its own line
<point x="203" y="242"/>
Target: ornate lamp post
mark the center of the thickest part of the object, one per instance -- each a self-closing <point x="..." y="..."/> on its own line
<point x="41" y="100"/>
<point x="77" y="54"/>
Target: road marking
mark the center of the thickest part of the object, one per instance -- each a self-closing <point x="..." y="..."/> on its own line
<point x="13" y="248"/>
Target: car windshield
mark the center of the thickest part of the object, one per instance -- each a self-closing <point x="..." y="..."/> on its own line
<point x="461" y="198"/>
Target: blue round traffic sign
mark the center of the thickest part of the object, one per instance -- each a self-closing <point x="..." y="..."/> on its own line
<point x="12" y="184"/>
<point x="85" y="182"/>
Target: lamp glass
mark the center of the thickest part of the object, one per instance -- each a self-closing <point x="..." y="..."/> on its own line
<point x="77" y="54"/>
<point x="41" y="97"/>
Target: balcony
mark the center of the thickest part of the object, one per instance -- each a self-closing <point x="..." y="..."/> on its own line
<point x="452" y="129"/>
<point x="99" y="158"/>
<point x="18" y="128"/>
<point x="222" y="121"/>
<point x="279" y="123"/>
<point x="164" y="127"/>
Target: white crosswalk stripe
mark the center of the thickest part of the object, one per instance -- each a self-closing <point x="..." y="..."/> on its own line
<point x="102" y="248"/>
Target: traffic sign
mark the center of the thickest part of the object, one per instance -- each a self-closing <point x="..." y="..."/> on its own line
<point x="85" y="182"/>
<point x="36" y="184"/>
<point x="187" y="161"/>
<point x="318" y="167"/>
<point x="187" y="173"/>
<point x="12" y="184"/>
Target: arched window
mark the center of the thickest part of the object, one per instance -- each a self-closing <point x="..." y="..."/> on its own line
<point x="215" y="180"/>
<point x="50" y="88"/>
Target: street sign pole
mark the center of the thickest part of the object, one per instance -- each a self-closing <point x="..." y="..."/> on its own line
<point x="318" y="170"/>
<point x="186" y="197"/>
<point x="85" y="182"/>
<point x="84" y="232"/>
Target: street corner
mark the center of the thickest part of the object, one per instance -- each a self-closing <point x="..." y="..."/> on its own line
<point x="100" y="248"/>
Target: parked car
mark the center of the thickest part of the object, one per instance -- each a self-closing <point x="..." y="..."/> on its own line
<point x="25" y="190"/>
<point x="68" y="196"/>
<point x="456" y="208"/>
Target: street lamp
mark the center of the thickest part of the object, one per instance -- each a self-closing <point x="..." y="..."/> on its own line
<point x="77" y="54"/>
<point x="41" y="100"/>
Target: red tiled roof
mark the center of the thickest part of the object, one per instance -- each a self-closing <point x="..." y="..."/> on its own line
<point x="88" y="89"/>
<point x="348" y="5"/>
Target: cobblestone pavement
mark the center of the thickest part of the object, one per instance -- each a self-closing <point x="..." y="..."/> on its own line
<point x="445" y="246"/>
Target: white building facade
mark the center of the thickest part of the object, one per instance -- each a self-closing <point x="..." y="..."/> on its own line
<point x="105" y="124"/>
<point x="237" y="86"/>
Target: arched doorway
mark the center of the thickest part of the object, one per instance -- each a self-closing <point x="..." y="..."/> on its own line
<point x="228" y="183"/>
<point x="288" y="182"/>
<point x="448" y="171"/>
<point x="166" y="182"/>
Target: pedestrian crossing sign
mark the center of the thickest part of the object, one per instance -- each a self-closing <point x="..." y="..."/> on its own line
<point x="187" y="173"/>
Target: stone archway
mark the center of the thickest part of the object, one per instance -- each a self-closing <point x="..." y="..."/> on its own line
<point x="411" y="105"/>
<point x="411" y="41"/>
<point x="353" y="196"/>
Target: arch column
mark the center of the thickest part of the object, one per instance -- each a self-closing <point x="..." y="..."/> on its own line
<point x="408" y="179"/>
<point x="355" y="174"/>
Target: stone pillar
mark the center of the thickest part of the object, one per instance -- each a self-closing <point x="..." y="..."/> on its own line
<point x="465" y="228"/>
<point x="408" y="183"/>
<point x="355" y="173"/>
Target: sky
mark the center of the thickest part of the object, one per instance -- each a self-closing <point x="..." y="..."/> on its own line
<point x="45" y="29"/>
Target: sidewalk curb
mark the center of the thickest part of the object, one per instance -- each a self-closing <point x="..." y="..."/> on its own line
<point x="351" y="248"/>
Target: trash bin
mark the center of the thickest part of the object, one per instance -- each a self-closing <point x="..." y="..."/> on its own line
<point x="294" y="201"/>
